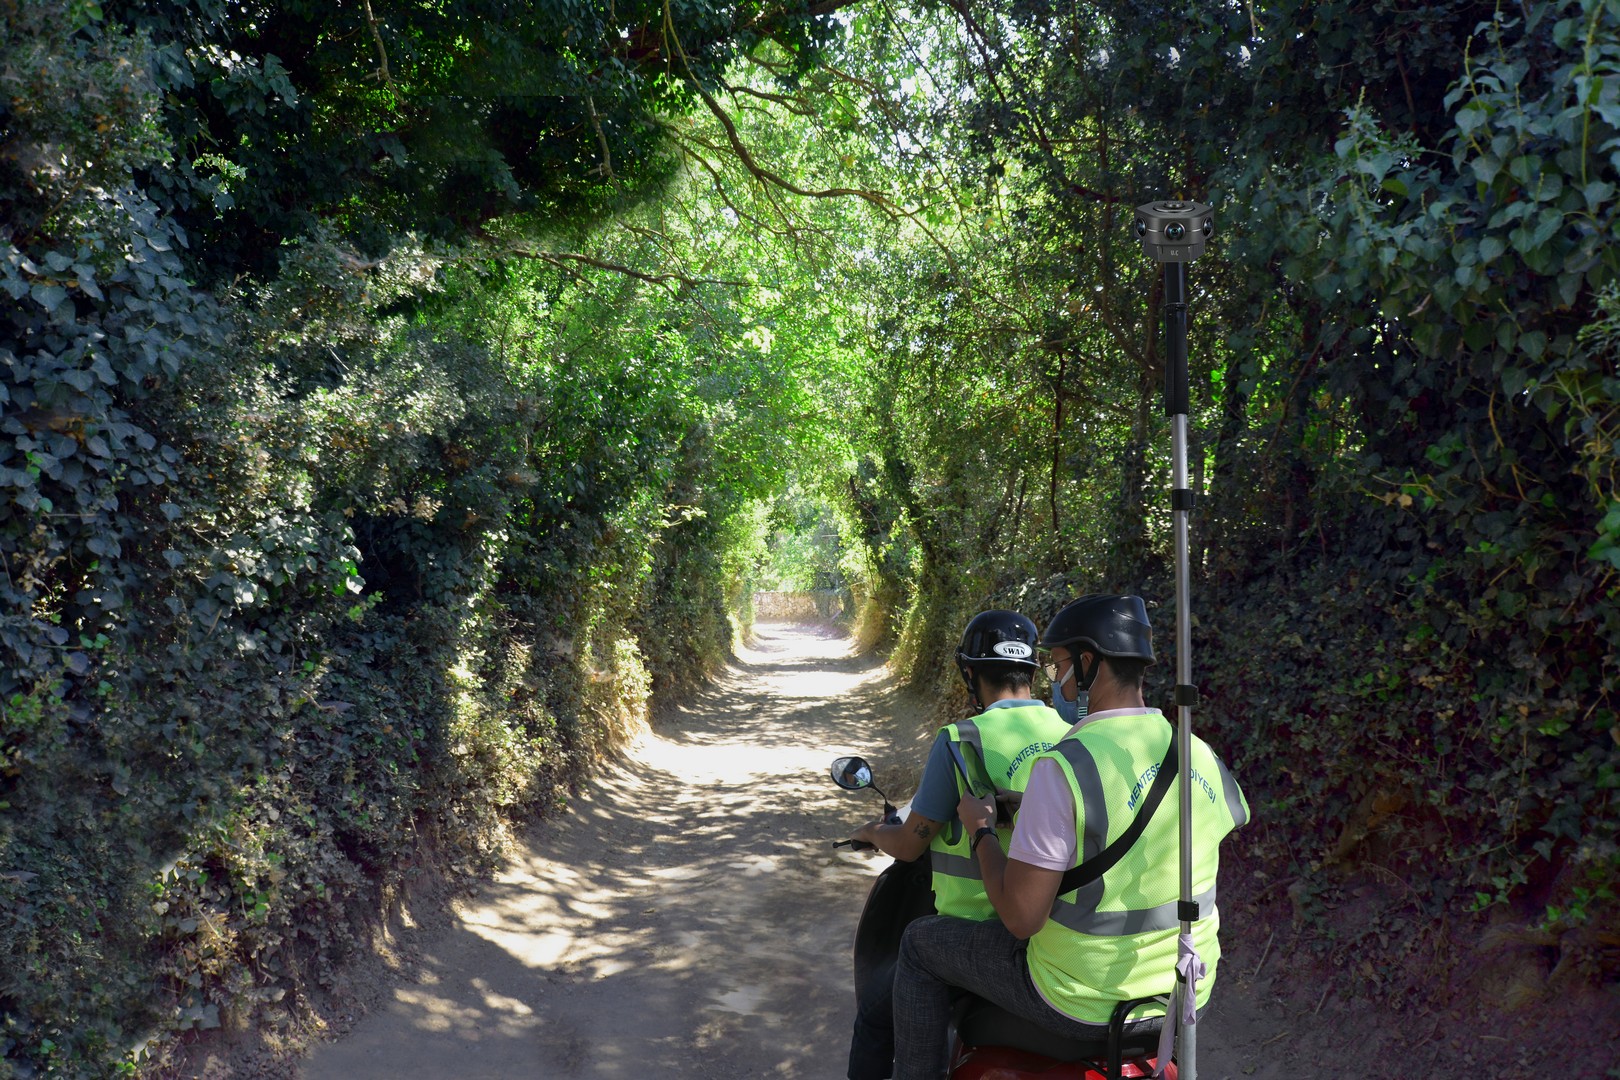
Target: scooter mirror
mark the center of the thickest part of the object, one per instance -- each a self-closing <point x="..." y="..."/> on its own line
<point x="852" y="773"/>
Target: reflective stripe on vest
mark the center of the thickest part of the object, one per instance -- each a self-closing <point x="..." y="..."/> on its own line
<point x="1125" y="923"/>
<point x="1234" y="798"/>
<point x="953" y="865"/>
<point x="967" y="732"/>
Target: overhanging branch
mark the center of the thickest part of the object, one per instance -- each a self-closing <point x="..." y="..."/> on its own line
<point x="568" y="260"/>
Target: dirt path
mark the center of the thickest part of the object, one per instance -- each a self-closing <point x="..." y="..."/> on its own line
<point x="688" y="917"/>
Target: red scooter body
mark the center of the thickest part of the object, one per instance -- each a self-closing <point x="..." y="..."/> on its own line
<point x="992" y="1044"/>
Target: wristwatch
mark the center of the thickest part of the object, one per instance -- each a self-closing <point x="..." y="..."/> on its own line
<point x="984" y="830"/>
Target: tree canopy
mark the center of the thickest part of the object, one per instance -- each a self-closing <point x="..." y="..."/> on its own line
<point x="395" y="396"/>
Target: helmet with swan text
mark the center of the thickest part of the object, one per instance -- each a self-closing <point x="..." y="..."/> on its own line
<point x="997" y="637"/>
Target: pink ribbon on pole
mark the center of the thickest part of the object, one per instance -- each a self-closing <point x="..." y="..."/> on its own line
<point x="1190" y="966"/>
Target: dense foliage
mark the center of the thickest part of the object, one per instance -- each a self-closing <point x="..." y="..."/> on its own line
<point x="1406" y="424"/>
<point x="393" y="397"/>
<point x="358" y="493"/>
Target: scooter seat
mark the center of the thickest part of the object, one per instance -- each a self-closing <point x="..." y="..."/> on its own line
<point x="983" y="1023"/>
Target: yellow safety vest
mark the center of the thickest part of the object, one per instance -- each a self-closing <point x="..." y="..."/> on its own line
<point x="1115" y="938"/>
<point x="1006" y="740"/>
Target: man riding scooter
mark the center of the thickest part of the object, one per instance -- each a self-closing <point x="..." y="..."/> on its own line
<point x="1063" y="957"/>
<point x="995" y="751"/>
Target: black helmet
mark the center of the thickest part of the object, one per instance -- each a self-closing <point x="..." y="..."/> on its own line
<point x="997" y="637"/>
<point x="1109" y="625"/>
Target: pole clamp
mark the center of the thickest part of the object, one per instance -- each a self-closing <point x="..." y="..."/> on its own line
<point x="1186" y="694"/>
<point x="1181" y="499"/>
<point x="1187" y="910"/>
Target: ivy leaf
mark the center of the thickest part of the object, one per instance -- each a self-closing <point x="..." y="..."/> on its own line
<point x="1549" y="223"/>
<point x="49" y="297"/>
<point x="87" y="281"/>
<point x="1605" y="550"/>
<point x="1471" y="117"/>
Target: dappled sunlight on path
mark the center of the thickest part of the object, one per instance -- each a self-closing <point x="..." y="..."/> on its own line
<point x="686" y="918"/>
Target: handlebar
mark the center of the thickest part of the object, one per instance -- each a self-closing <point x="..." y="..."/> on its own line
<point x="891" y="816"/>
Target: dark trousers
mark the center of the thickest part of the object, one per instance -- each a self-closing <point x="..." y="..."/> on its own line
<point x="940" y="953"/>
<point x="902" y="893"/>
<point x="871" y="1045"/>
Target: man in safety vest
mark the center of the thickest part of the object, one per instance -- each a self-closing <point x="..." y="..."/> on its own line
<point x="997" y="747"/>
<point x="1063" y="960"/>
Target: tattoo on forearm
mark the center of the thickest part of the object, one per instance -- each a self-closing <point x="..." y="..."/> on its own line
<point x="924" y="831"/>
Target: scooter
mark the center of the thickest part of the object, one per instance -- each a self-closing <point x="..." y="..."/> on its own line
<point x="988" y="1042"/>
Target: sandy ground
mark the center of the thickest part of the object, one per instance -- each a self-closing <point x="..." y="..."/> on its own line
<point x="688" y="918"/>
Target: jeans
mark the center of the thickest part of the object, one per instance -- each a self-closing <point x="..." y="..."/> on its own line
<point x="938" y="953"/>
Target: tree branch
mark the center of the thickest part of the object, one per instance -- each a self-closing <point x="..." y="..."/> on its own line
<point x="567" y="260"/>
<point x="794" y="105"/>
<point x="774" y="179"/>
<point x="606" y="168"/>
<point x="1093" y="194"/>
<point x="382" y="73"/>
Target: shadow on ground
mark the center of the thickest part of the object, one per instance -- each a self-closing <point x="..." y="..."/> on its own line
<point x="687" y="917"/>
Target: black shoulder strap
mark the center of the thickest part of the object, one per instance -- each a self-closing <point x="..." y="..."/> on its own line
<point x="1076" y="877"/>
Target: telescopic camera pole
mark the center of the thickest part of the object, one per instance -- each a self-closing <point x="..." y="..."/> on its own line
<point x="1174" y="232"/>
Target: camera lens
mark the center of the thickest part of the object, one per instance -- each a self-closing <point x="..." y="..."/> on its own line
<point x="1209" y="226"/>
<point x="1141" y="227"/>
<point x="1175" y="231"/>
